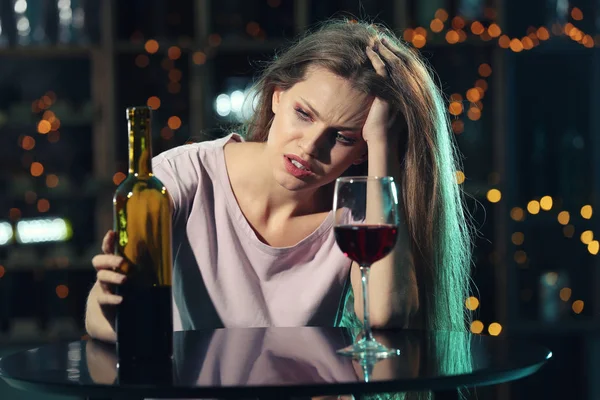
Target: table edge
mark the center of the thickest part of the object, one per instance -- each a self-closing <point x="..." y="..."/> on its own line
<point x="449" y="382"/>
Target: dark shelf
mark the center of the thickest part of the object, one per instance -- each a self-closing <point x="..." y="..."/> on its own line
<point x="47" y="51"/>
<point x="75" y="267"/>
<point x="227" y="45"/>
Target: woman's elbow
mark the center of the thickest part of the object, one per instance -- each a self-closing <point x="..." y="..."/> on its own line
<point x="389" y="320"/>
<point x="399" y="313"/>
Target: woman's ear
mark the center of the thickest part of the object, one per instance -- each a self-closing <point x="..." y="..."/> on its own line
<point x="276" y="99"/>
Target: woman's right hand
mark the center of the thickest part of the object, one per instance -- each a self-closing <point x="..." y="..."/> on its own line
<point x="107" y="276"/>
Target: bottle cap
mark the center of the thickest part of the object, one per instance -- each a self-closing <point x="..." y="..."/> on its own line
<point x="138" y="112"/>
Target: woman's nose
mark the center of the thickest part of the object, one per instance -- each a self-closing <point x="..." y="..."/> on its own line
<point x="311" y="143"/>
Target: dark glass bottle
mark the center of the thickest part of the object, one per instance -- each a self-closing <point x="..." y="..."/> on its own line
<point x="142" y="222"/>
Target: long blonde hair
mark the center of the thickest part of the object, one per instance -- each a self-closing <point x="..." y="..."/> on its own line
<point x="433" y="204"/>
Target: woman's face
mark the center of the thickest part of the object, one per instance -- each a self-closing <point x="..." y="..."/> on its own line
<point x="316" y="133"/>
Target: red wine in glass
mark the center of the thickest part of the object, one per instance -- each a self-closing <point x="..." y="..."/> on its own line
<point x="366" y="244"/>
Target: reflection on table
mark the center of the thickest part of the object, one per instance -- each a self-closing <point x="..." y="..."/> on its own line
<point x="283" y="356"/>
<point x="276" y="363"/>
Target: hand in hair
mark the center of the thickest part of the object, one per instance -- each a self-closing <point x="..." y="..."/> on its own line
<point x="381" y="116"/>
<point x="394" y="299"/>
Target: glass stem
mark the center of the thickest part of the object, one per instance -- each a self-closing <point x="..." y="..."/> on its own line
<point x="367" y="367"/>
<point x="364" y="273"/>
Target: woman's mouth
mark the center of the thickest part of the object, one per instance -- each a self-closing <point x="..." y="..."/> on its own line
<point x="297" y="164"/>
<point x="297" y="168"/>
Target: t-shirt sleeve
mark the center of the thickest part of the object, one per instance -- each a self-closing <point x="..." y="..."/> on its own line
<point x="178" y="172"/>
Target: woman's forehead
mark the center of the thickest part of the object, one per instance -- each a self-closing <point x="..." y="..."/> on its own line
<point x="325" y="89"/>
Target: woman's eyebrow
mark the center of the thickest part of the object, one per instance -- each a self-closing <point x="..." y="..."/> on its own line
<point x="316" y="114"/>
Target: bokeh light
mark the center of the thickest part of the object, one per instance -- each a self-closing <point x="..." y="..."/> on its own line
<point x="174" y="122"/>
<point x="517" y="214"/>
<point x="62" y="291"/>
<point x="151" y="46"/>
<point x="533" y="207"/>
<point x="577" y="306"/>
<point x="153" y="102"/>
<point x="36" y="169"/>
<point x="494" y="195"/>
<point x="565" y="294"/>
<point x="586" y="211"/>
<point x="118" y="178"/>
<point x="518" y="238"/>
<point x="586" y="237"/>
<point x="563" y="217"/>
<point x="546" y="203"/>
<point x="477" y="327"/>
<point x="472" y="303"/>
<point x="494" y="329"/>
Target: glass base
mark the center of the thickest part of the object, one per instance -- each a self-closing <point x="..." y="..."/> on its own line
<point x="368" y="349"/>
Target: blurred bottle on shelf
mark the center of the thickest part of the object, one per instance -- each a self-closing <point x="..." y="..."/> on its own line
<point x="254" y="19"/>
<point x="471" y="10"/>
<point x="551" y="307"/>
<point x="557" y="12"/>
<point x="138" y="20"/>
<point x="424" y="11"/>
<point x="49" y="22"/>
<point x="8" y="33"/>
<point x="91" y="13"/>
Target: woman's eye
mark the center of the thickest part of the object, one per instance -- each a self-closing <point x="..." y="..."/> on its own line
<point x="302" y="115"/>
<point x="344" y="139"/>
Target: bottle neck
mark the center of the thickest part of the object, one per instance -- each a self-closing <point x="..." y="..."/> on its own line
<point x="140" y="146"/>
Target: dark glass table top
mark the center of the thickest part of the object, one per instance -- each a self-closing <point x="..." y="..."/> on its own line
<point x="264" y="362"/>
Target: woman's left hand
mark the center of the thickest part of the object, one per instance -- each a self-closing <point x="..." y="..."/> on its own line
<point x="381" y="116"/>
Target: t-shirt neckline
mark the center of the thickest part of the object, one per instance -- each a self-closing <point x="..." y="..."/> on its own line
<point x="243" y="224"/>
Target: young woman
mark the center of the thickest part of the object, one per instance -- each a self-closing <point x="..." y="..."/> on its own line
<point x="253" y="227"/>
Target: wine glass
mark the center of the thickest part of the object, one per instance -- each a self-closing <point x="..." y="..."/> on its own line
<point x="366" y="228"/>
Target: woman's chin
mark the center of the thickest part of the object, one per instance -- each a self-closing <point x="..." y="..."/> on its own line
<point x="292" y="183"/>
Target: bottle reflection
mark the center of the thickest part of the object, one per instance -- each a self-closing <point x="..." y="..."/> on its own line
<point x="73" y="361"/>
<point x="156" y="373"/>
<point x="104" y="368"/>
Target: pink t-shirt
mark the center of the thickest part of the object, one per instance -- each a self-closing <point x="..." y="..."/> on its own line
<point x="223" y="275"/>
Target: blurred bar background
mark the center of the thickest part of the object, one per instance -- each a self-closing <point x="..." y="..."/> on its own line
<point x="522" y="80"/>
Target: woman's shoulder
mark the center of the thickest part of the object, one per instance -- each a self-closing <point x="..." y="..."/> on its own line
<point x="194" y="152"/>
<point x="187" y="168"/>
